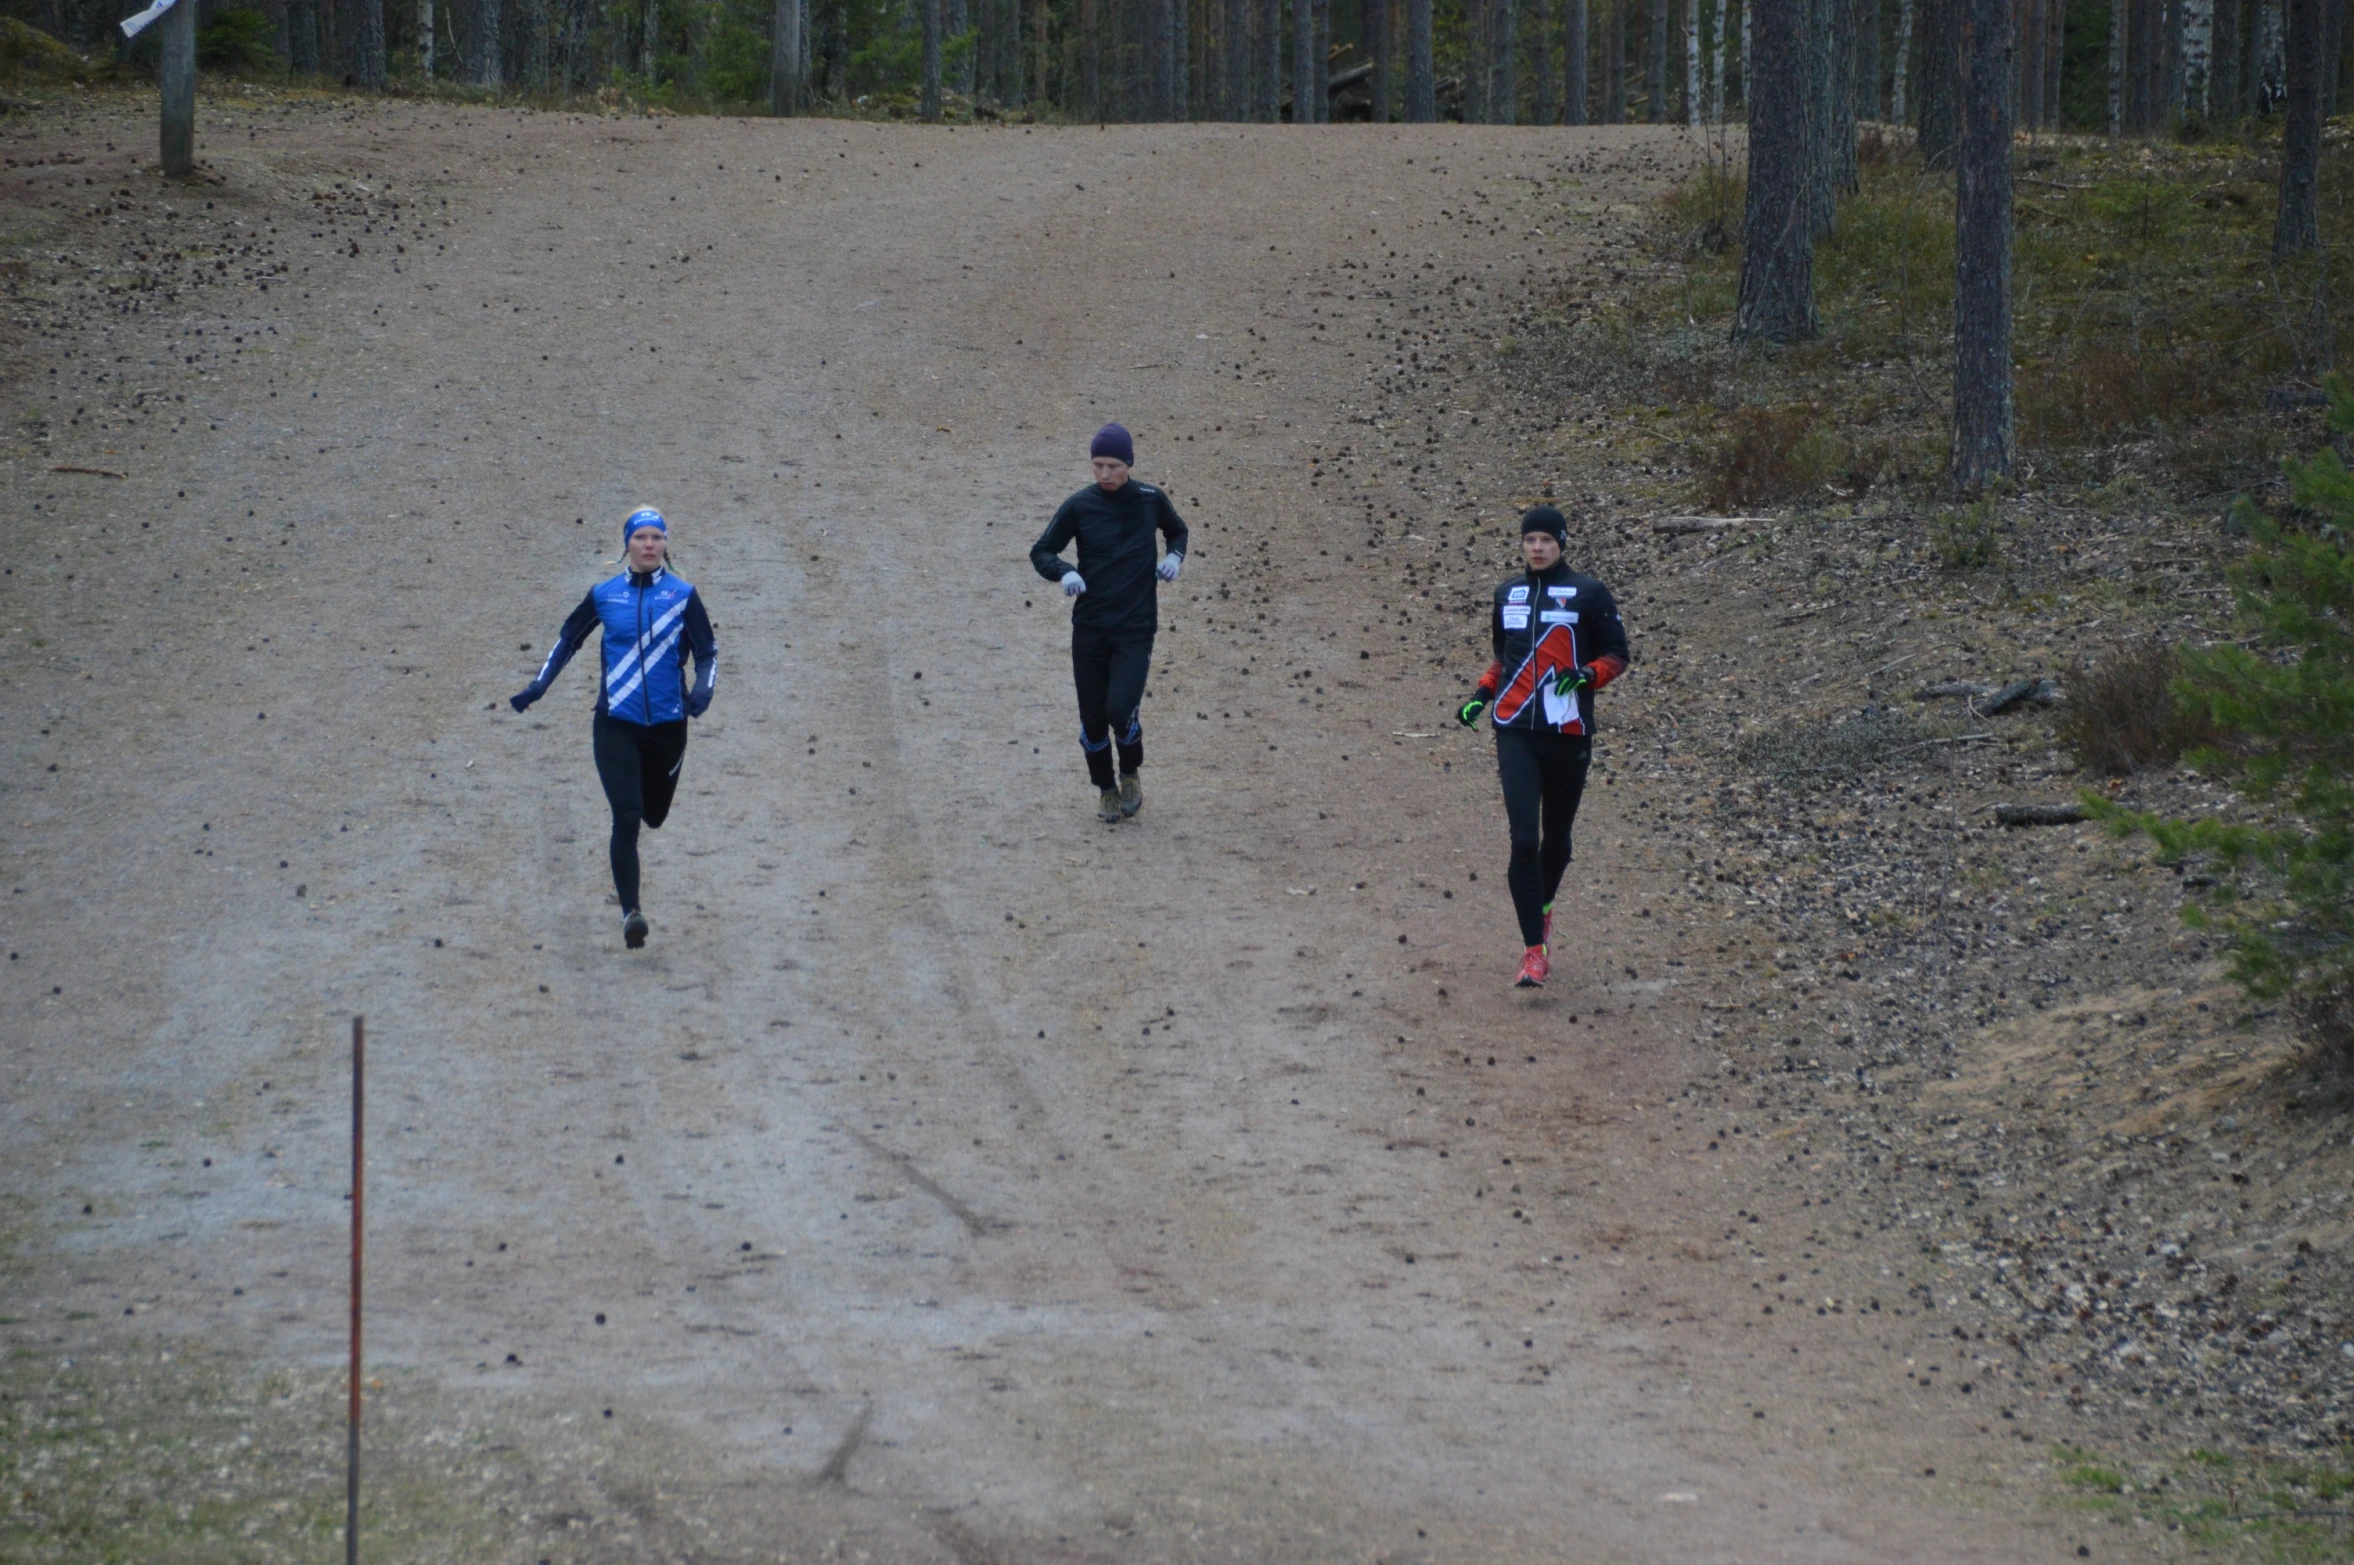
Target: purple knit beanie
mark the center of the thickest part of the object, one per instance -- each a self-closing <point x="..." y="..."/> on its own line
<point x="1112" y="441"/>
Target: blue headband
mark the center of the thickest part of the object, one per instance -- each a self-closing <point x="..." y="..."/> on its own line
<point x="640" y="519"/>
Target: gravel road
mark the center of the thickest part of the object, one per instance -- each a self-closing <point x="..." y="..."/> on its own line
<point x="952" y="1177"/>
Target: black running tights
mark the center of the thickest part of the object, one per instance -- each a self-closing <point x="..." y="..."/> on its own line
<point x="639" y="765"/>
<point x="1544" y="777"/>
<point x="1109" y="672"/>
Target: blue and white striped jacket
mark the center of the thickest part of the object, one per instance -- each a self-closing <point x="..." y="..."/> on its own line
<point x="651" y="624"/>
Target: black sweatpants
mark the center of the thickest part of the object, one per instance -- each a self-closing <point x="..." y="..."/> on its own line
<point x="1109" y="670"/>
<point x="639" y="766"/>
<point x="1544" y="777"/>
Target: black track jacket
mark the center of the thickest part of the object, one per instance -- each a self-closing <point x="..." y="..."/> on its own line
<point x="1116" y="554"/>
<point x="1542" y="623"/>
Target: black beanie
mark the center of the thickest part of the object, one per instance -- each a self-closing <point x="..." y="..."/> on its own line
<point x="1546" y="519"/>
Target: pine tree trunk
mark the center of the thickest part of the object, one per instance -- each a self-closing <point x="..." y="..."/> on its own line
<point x="1614" y="81"/>
<point x="1421" y="78"/>
<point x="1655" y="63"/>
<point x="2223" y="72"/>
<point x="1901" y="68"/>
<point x="1985" y="447"/>
<point x="1776" y="302"/>
<point x="929" y="105"/>
<point x="368" y="43"/>
<point x="1320" y="64"/>
<point x="784" y="50"/>
<point x="2333" y="58"/>
<point x="1867" y="59"/>
<point x="488" y="71"/>
<point x="1503" y="80"/>
<point x="1374" y="25"/>
<point x="1821" y="86"/>
<point x="1939" y="86"/>
<point x="1573" y="50"/>
<point x="2030" y="82"/>
<point x="1839" y="98"/>
<point x="2056" y="13"/>
<point x="1303" y="45"/>
<point x="2297" y="226"/>
<point x="1542" y="78"/>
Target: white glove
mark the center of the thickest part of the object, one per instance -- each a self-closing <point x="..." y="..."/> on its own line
<point x="1170" y="565"/>
<point x="1073" y="584"/>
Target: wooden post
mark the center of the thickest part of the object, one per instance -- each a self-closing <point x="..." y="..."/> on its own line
<point x="359" y="1082"/>
<point x="179" y="88"/>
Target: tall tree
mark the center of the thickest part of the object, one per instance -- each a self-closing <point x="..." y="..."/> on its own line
<point x="1716" y="67"/>
<point x="2297" y="225"/>
<point x="1573" y="58"/>
<point x="1984" y="444"/>
<point x="1839" y="93"/>
<point x="424" y="37"/>
<point x="1421" y="68"/>
<point x="1503" y="81"/>
<point x="487" y="69"/>
<point x="930" y="106"/>
<point x="1540" y="61"/>
<point x="1655" y="63"/>
<point x="1614" y="66"/>
<point x="1373" y="31"/>
<point x="368" y="42"/>
<point x="1900" y="73"/>
<point x="1692" y="62"/>
<point x="1090" y="62"/>
<point x="1777" y="296"/>
<point x="1303" y="49"/>
<point x="1938" y="107"/>
<point x="784" y="54"/>
<point x="2223" y="75"/>
<point x="1270" y="60"/>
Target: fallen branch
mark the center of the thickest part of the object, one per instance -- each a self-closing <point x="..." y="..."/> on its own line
<point x="1706" y="524"/>
<point x="1956" y="739"/>
<point x="2039" y="814"/>
<point x="93" y="472"/>
<point x="2007" y="697"/>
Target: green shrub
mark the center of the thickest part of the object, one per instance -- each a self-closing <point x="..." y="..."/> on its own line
<point x="237" y="41"/>
<point x="2284" y="892"/>
<point x="1966" y="540"/>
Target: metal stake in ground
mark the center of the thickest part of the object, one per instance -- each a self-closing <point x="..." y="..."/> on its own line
<point x="359" y="1081"/>
<point x="178" y="73"/>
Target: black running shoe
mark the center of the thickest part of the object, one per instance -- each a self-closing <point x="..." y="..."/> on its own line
<point x="634" y="929"/>
<point x="1131" y="795"/>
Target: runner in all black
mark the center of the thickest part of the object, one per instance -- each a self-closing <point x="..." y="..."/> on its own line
<point x="652" y="619"/>
<point x="1558" y="640"/>
<point x="1118" y="608"/>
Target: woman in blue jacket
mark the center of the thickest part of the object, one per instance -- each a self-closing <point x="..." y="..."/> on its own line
<point x="652" y="621"/>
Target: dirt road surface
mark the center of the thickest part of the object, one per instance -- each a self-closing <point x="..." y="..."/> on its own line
<point x="952" y="1178"/>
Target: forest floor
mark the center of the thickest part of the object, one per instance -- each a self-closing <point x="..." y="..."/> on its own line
<point x="954" y="1178"/>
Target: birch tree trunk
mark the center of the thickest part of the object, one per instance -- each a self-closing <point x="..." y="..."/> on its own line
<point x="2198" y="54"/>
<point x="1573" y="49"/>
<point x="1692" y="63"/>
<point x="1776" y="302"/>
<point x="1746" y="66"/>
<point x="1985" y="447"/>
<point x="784" y="52"/>
<point x="1716" y="69"/>
<point x="648" y="39"/>
<point x="424" y="38"/>
<point x="1421" y="80"/>
<point x="1900" y="72"/>
<point x="2297" y="225"/>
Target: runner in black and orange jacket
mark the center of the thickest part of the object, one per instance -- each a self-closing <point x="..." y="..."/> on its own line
<point x="1558" y="640"/>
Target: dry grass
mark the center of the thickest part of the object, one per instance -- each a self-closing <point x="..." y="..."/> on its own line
<point x="2122" y="716"/>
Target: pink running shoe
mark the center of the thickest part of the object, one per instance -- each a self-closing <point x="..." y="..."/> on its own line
<point x="1535" y="968"/>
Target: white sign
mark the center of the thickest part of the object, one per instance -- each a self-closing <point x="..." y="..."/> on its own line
<point x="133" y="26"/>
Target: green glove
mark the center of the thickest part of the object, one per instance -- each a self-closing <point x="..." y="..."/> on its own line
<point x="1468" y="713"/>
<point x="1567" y="680"/>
